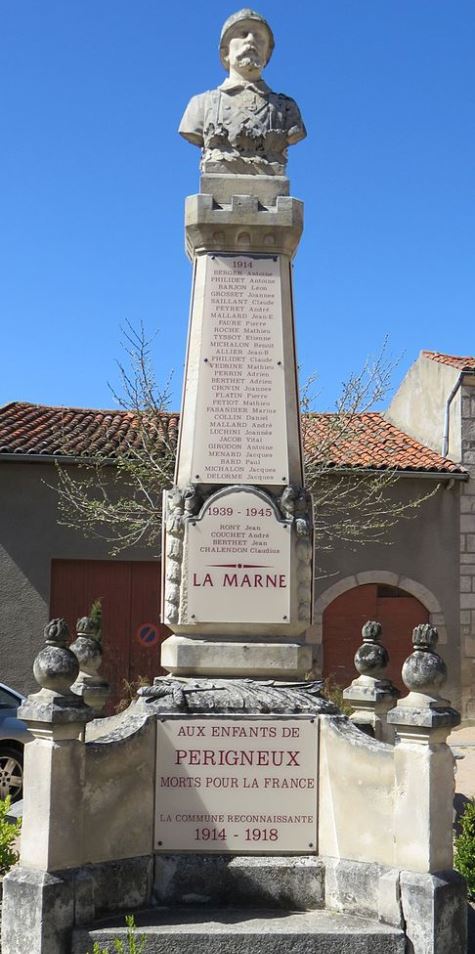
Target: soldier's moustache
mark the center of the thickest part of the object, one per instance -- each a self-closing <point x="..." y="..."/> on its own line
<point x="249" y="58"/>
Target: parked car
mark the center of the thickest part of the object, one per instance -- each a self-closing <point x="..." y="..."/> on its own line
<point x="13" y="736"/>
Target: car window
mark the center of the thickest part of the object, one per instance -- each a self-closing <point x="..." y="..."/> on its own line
<point x="7" y="699"/>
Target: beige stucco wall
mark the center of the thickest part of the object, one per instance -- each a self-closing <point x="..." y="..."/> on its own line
<point x="355" y="772"/>
<point x="30" y="538"/>
<point x="418" y="407"/>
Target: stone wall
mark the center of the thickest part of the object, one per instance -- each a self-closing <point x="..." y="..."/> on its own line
<point x="419" y="555"/>
<point x="467" y="551"/>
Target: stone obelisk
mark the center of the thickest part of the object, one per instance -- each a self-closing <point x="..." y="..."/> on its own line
<point x="238" y="526"/>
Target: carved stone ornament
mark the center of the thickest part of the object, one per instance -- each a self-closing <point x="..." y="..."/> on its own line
<point x="235" y="696"/>
<point x="295" y="503"/>
<point x="87" y="648"/>
<point x="243" y="127"/>
<point x="56" y="667"/>
<point x="424" y="670"/>
<point x="88" y="626"/>
<point x="179" y="505"/>
<point x="371" y="659"/>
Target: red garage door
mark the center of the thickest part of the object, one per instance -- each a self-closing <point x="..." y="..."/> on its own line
<point x="130" y="594"/>
<point x="397" y="611"/>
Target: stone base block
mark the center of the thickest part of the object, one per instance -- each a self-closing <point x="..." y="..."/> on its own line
<point x="51" y="904"/>
<point x="183" y="656"/>
<point x="121" y="885"/>
<point x="238" y="931"/>
<point x="37" y="912"/>
<point x="435" y="912"/>
<point x="293" y="883"/>
<point x="367" y="890"/>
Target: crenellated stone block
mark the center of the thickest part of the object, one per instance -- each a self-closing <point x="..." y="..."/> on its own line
<point x="242" y="225"/>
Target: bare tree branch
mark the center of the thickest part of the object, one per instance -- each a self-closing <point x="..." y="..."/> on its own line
<point x="116" y="494"/>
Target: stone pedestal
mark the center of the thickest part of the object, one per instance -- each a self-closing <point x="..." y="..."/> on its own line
<point x="52" y="835"/>
<point x="238" y="543"/>
<point x="432" y="894"/>
<point x="371" y="695"/>
<point x="425" y="772"/>
<point x="39" y="907"/>
<point x="188" y="656"/>
<point x="372" y="700"/>
<point x="424" y="764"/>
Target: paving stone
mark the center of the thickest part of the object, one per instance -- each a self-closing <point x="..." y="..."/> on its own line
<point x="239" y="931"/>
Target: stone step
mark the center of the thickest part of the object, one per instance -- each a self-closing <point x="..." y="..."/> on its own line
<point x="204" y="930"/>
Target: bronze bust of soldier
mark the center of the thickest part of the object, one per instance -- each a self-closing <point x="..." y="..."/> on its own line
<point x="243" y="127"/>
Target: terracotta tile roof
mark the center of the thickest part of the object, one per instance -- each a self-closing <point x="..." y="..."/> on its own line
<point x="367" y="441"/>
<point x="371" y="442"/>
<point x="37" y="430"/>
<point x="461" y="362"/>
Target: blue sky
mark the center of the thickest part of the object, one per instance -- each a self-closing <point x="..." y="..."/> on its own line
<point x="93" y="177"/>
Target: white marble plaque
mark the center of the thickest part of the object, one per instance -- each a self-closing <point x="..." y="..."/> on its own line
<point x="236" y="785"/>
<point x="238" y="562"/>
<point x="241" y="414"/>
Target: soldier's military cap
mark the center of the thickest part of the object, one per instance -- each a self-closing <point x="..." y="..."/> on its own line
<point x="243" y="15"/>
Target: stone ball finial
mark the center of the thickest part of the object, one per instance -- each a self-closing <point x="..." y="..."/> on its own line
<point x="371" y="631"/>
<point x="88" y="626"/>
<point x="425" y="637"/>
<point x="424" y="670"/>
<point x="87" y="647"/>
<point x="56" y="632"/>
<point x="55" y="666"/>
<point x="92" y="689"/>
<point x="371" y="658"/>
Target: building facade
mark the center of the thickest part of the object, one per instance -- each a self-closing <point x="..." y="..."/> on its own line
<point x="423" y="571"/>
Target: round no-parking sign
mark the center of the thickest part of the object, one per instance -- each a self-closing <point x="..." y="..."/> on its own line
<point x="147" y="635"/>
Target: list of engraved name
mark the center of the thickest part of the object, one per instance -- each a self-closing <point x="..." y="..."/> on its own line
<point x="242" y="397"/>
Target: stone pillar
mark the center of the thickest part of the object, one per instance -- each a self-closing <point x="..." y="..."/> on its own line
<point x="371" y="695"/>
<point x="52" y="835"/>
<point x="467" y="549"/>
<point x="432" y="894"/>
<point x="424" y="762"/>
<point x="238" y="546"/>
<point x="89" y="685"/>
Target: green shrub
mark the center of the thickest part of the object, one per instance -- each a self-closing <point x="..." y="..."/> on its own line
<point x="95" y="613"/>
<point x="9" y="831"/>
<point x="334" y="693"/>
<point x="133" y="945"/>
<point x="129" y="692"/>
<point x="464" y="860"/>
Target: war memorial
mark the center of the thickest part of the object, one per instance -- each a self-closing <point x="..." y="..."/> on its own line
<point x="232" y="807"/>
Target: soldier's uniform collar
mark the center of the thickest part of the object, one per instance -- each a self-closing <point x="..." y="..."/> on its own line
<point x="231" y="85"/>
